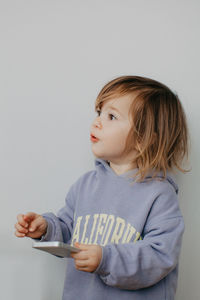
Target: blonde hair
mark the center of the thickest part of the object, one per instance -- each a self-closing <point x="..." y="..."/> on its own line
<point x="159" y="132"/>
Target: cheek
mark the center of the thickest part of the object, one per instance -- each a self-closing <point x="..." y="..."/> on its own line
<point x="117" y="140"/>
<point x="117" y="133"/>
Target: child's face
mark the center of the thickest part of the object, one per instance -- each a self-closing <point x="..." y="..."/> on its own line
<point x="111" y="128"/>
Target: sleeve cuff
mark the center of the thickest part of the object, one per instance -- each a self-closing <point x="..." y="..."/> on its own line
<point x="102" y="267"/>
<point x="48" y="235"/>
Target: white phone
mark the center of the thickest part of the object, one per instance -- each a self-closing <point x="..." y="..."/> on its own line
<point x="55" y="248"/>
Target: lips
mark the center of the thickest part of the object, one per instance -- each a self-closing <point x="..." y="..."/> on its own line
<point x="93" y="138"/>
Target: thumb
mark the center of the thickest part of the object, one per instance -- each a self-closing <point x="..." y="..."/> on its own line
<point x="81" y="246"/>
<point x="35" y="221"/>
<point x="35" y="224"/>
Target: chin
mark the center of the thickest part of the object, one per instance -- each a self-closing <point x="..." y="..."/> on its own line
<point x="101" y="155"/>
<point x="98" y="155"/>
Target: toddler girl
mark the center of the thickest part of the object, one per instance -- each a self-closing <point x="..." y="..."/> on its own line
<point x="124" y="215"/>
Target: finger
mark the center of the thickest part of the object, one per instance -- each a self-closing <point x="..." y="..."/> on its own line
<point x="81" y="263"/>
<point x="79" y="256"/>
<point x="76" y="256"/>
<point x="82" y="246"/>
<point x="29" y="216"/>
<point x="18" y="234"/>
<point x="20" y="228"/>
<point x="82" y="255"/>
<point x="21" y="221"/>
<point x="36" y="223"/>
<point x="84" y="269"/>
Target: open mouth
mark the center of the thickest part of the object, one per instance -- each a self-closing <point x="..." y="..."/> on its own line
<point x="93" y="138"/>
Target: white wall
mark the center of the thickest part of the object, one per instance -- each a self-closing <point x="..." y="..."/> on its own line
<point x="55" y="56"/>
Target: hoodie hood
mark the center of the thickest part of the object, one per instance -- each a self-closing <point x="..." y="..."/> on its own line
<point x="103" y="167"/>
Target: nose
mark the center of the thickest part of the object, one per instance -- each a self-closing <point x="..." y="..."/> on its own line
<point x="97" y="123"/>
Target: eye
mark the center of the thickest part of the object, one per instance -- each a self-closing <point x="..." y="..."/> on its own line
<point x="98" y="112"/>
<point x="112" y="117"/>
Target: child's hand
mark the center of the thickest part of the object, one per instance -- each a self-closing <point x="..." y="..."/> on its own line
<point x="31" y="225"/>
<point x="88" y="258"/>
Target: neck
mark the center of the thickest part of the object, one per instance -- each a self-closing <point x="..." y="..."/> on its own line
<point x="121" y="168"/>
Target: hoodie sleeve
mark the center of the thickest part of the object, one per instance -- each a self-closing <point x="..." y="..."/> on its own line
<point x="144" y="263"/>
<point x="60" y="227"/>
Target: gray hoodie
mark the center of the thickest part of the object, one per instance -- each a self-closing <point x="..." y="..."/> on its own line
<point x="139" y="227"/>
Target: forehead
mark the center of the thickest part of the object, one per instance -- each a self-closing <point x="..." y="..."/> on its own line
<point x="122" y="104"/>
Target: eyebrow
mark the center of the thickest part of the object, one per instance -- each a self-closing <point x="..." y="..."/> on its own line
<point x="114" y="108"/>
